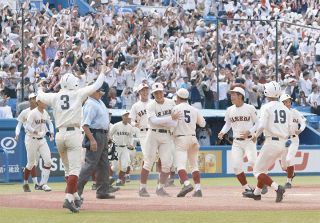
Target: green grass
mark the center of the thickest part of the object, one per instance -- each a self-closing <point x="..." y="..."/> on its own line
<point x="18" y="215"/>
<point x="57" y="216"/>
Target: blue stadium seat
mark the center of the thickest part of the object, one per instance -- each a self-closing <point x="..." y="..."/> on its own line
<point x="313" y="121"/>
<point x="303" y="108"/>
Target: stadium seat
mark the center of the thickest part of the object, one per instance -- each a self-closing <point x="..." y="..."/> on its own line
<point x="313" y="121"/>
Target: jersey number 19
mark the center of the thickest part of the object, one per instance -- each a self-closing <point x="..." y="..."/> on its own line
<point x="280" y="116"/>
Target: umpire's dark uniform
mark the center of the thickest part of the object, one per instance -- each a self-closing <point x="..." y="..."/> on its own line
<point x="95" y="124"/>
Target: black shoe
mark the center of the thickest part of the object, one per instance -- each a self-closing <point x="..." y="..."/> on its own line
<point x="37" y="187"/>
<point x="185" y="190"/>
<point x="162" y="193"/>
<point x="113" y="189"/>
<point x="70" y="205"/>
<point x="197" y="193"/>
<point x="120" y="184"/>
<point x="288" y="185"/>
<point x="280" y="193"/>
<point x="26" y="188"/>
<point x="264" y="189"/>
<point x="250" y="194"/>
<point x="105" y="196"/>
<point x="78" y="203"/>
<point x="169" y="183"/>
<point x="144" y="193"/>
<point x="94" y="187"/>
<point x="247" y="191"/>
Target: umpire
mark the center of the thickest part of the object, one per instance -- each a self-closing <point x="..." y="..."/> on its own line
<point x="95" y="124"/>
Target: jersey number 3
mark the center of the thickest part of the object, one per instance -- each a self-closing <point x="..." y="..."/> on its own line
<point x="187" y="116"/>
<point x="65" y="100"/>
<point x="280" y="116"/>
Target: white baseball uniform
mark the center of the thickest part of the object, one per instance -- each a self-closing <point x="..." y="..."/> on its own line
<point x="276" y="122"/>
<point x="241" y="119"/>
<point x="138" y="115"/>
<point x="186" y="142"/>
<point x="67" y="110"/>
<point x="299" y="124"/>
<point x="122" y="136"/>
<point x="36" y="143"/>
<point x="159" y="136"/>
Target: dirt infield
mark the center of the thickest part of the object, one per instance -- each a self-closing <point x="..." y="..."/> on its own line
<point x="215" y="198"/>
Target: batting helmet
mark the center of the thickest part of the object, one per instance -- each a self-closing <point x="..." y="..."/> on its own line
<point x="272" y="89"/>
<point x="69" y="81"/>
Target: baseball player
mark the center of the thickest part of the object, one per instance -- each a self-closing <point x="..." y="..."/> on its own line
<point x="122" y="133"/>
<point x="299" y="124"/>
<point x="159" y="138"/>
<point x="186" y="143"/>
<point x="67" y="106"/>
<point x="22" y="119"/>
<point x="242" y="118"/>
<point x="275" y="122"/>
<point x="36" y="143"/>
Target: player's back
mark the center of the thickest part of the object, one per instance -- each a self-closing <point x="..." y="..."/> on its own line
<point x="277" y="118"/>
<point x="190" y="118"/>
<point x="67" y="107"/>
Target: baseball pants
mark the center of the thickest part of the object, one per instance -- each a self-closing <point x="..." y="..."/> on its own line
<point x="287" y="158"/>
<point x="123" y="159"/>
<point x="240" y="149"/>
<point x="186" y="151"/>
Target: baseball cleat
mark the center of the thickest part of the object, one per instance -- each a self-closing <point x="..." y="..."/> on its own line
<point x="94" y="187"/>
<point x="78" y="203"/>
<point x="197" y="193"/>
<point x="250" y="194"/>
<point x="26" y="188"/>
<point x="288" y="185"/>
<point x="280" y="193"/>
<point x="162" y="193"/>
<point x="144" y="193"/>
<point x="70" y="205"/>
<point x="264" y="189"/>
<point x="113" y="189"/>
<point x="46" y="188"/>
<point x="37" y="187"/>
<point x="247" y="191"/>
<point x="185" y="190"/>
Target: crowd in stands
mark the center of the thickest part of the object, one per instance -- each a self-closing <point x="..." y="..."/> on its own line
<point x="177" y="47"/>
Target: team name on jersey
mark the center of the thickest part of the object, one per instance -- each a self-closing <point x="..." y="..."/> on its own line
<point x="296" y="120"/>
<point x="240" y="119"/>
<point x="122" y="133"/>
<point x="163" y="113"/>
<point x="143" y="112"/>
<point x="41" y="121"/>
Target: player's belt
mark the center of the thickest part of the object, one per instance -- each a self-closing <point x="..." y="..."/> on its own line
<point x="144" y="130"/>
<point x="121" y="146"/>
<point x="275" y="138"/>
<point x="185" y="135"/>
<point x="99" y="130"/>
<point x="37" y="138"/>
<point x="242" y="139"/>
<point x="68" y="129"/>
<point x="161" y="130"/>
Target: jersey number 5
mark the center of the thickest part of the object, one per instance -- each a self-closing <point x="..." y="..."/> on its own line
<point x="187" y="116"/>
<point x="65" y="100"/>
<point x="280" y="116"/>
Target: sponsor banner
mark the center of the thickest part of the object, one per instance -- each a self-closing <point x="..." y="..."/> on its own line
<point x="57" y="168"/>
<point x="306" y="161"/>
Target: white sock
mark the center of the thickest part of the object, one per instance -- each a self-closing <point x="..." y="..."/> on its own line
<point x="289" y="180"/>
<point x="69" y="197"/>
<point x="246" y="187"/>
<point x="35" y="180"/>
<point x="186" y="183"/>
<point x="44" y="176"/>
<point x="160" y="186"/>
<point x="197" y="187"/>
<point x="76" y="196"/>
<point x="143" y="186"/>
<point x="257" y="191"/>
<point x="25" y="182"/>
<point x="274" y="185"/>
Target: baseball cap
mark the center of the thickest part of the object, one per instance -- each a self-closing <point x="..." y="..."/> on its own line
<point x="141" y="86"/>
<point x="285" y="97"/>
<point x="183" y="93"/>
<point x="238" y="90"/>
<point x="32" y="95"/>
<point x="125" y="112"/>
<point x="157" y="87"/>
